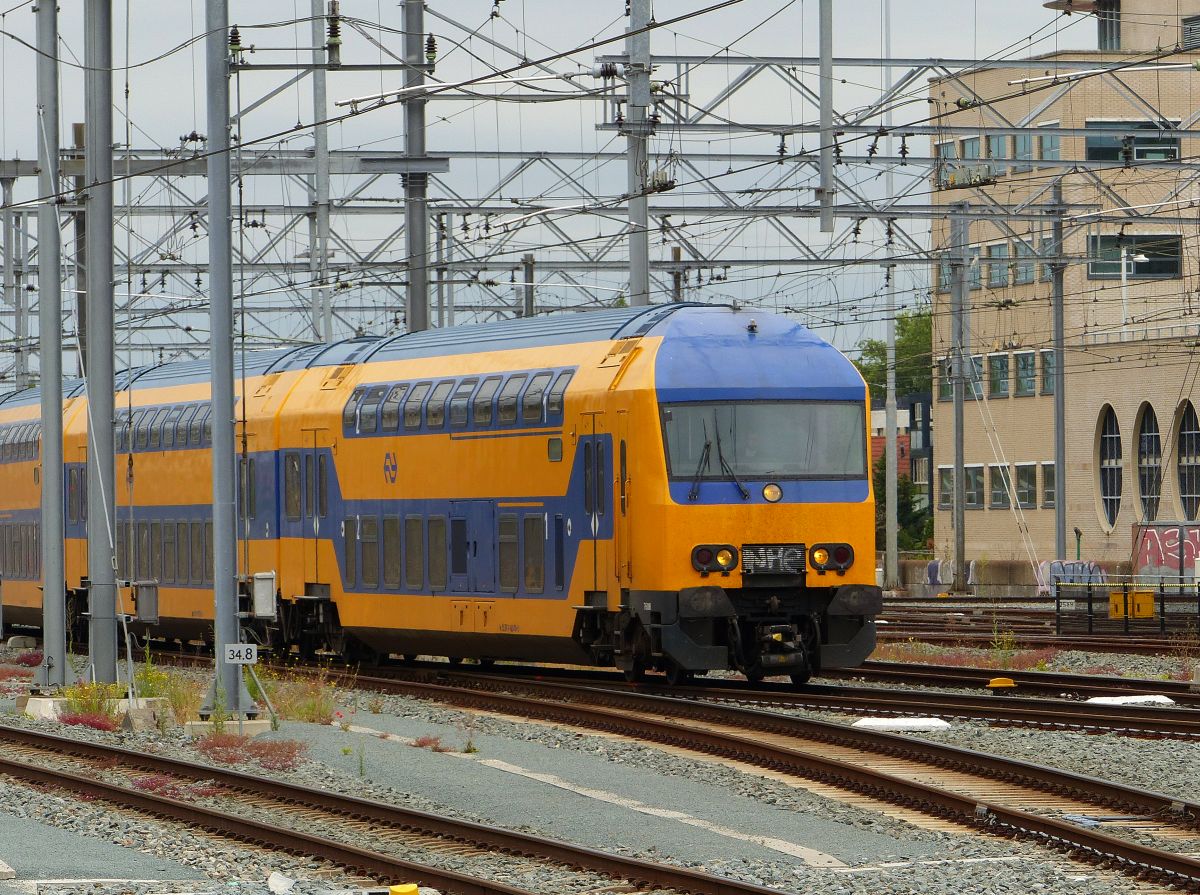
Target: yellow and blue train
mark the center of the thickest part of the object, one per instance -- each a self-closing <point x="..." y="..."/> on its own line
<point x="681" y="487"/>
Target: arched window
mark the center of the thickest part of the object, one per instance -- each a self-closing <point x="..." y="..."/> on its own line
<point x="1189" y="461"/>
<point x="1149" y="463"/>
<point x="1110" y="465"/>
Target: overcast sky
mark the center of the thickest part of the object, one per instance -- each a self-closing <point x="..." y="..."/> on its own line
<point x="166" y="96"/>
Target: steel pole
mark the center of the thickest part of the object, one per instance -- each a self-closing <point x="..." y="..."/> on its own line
<point x="10" y="248"/>
<point x="54" y="610"/>
<point x="959" y="238"/>
<point x="220" y="284"/>
<point x="440" y="259"/>
<point x="891" y="462"/>
<point x="80" y="220"/>
<point x="416" y="185"/>
<point x="825" y="101"/>
<point x="98" y="173"/>
<point x="677" y="274"/>
<point x="1058" y="271"/>
<point x="319" y="249"/>
<point x="20" y="303"/>
<point x="637" y="133"/>
<point x="527" y="272"/>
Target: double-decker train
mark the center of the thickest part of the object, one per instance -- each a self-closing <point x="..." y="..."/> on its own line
<point x="681" y="488"/>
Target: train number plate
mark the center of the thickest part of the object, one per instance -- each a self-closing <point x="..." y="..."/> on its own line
<point x="773" y="559"/>
<point x="241" y="654"/>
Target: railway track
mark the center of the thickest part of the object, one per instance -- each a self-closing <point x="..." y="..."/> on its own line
<point x="79" y="766"/>
<point x="1152" y="836"/>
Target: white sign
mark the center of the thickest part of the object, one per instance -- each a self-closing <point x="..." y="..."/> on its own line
<point x="241" y="654"/>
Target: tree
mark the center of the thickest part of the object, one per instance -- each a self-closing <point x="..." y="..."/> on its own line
<point x="914" y="350"/>
<point x="915" y="526"/>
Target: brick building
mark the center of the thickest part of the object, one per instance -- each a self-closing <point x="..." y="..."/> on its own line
<point x="1132" y="315"/>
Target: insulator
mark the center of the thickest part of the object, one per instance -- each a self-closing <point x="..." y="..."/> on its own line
<point x="430" y="49"/>
<point x="235" y="40"/>
<point x="333" y="43"/>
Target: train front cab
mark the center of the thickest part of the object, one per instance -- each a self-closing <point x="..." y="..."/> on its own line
<point x="753" y="547"/>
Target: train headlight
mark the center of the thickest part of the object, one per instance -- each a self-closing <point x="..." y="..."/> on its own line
<point x="820" y="557"/>
<point x="771" y="492"/>
<point x="702" y="558"/>
<point x="832" y="557"/>
<point x="714" y="558"/>
<point x="726" y="559"/>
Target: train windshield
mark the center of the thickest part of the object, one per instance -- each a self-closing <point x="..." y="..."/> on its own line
<point x="766" y="439"/>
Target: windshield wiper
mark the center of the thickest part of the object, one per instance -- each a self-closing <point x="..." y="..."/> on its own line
<point x="725" y="467"/>
<point x="695" y="489"/>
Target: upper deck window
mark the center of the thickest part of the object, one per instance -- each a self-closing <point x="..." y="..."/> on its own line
<point x="766" y="439"/>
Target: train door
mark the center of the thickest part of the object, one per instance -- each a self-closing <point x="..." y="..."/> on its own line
<point x="622" y="554"/>
<point x="472" y="547"/>
<point x="314" y="476"/>
<point x="597" y="497"/>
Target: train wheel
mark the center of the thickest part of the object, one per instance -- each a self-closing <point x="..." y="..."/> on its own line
<point x="677" y="675"/>
<point x="800" y="678"/>
<point x="635" y="673"/>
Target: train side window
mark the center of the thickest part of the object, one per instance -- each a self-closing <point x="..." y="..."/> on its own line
<point x="510" y="569"/>
<point x="322" y="484"/>
<point x="535" y="553"/>
<point x="554" y="400"/>
<point x="624" y="477"/>
<point x="172" y="417"/>
<point x="589" y="480"/>
<point x="143" y="550"/>
<point x="83" y="500"/>
<point x="481" y="404"/>
<point x="291" y="485"/>
<point x="414" y="552"/>
<point x="208" y="424"/>
<point x="368" y="412"/>
<point x="73" y="496"/>
<point x="181" y="552"/>
<point x="437" y="553"/>
<point x="435" y="410"/>
<point x="460" y="403"/>
<point x="130" y="550"/>
<point x="36" y="535"/>
<point x="181" y="428"/>
<point x="350" y="411"/>
<point x="389" y="414"/>
<point x="37" y="440"/>
<point x="154" y="428"/>
<point x="196" y="429"/>
<point x="391" y="552"/>
<point x="368" y="538"/>
<point x="559" y="558"/>
<point x="412" y="407"/>
<point x="601" y="478"/>
<point x="349" y="554"/>
<point x="122" y="565"/>
<point x="310" y="487"/>
<point x="208" y="551"/>
<point x="508" y="398"/>
<point x="156" y="550"/>
<point x="168" y="552"/>
<point x="531" y="404"/>
<point x="140" y="436"/>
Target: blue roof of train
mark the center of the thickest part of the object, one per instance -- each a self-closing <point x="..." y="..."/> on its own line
<point x="702" y="328"/>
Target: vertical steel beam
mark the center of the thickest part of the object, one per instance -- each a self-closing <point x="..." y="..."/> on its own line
<point x="54" y="610"/>
<point x="1058" y="270"/>
<point x="10" y="252"/>
<point x="891" y="559"/>
<point x="20" y="302"/>
<point x="959" y="240"/>
<point x="416" y="185"/>
<point x="637" y="133"/>
<point x="449" y="230"/>
<point x="98" y="172"/>
<point x="440" y="258"/>
<point x="78" y="131"/>
<point x="677" y="274"/>
<point x="527" y="274"/>
<point x="220" y="283"/>
<point x="825" y="187"/>
<point x="319" y="248"/>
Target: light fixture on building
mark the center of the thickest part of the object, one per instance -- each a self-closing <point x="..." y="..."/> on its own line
<point x="1126" y="259"/>
<point x="1067" y="7"/>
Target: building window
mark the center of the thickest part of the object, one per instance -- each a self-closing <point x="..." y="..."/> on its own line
<point x="997" y="265"/>
<point x="945" y="380"/>
<point x="1108" y="24"/>
<point x="1049" y="145"/>
<point x="945" y="274"/>
<point x="1129" y="141"/>
<point x="1048" y="486"/>
<point x="974" y="488"/>
<point x="970" y="148"/>
<point x="945" y="487"/>
<point x="1161" y="256"/>
<point x="997" y="149"/>
<point x="1149" y="463"/>
<point x="997" y="375"/>
<point x="998" y="479"/>
<point x="1191" y="33"/>
<point x="945" y="153"/>
<point x="1027" y="486"/>
<point x="1022" y="152"/>
<point x="1110" y="464"/>
<point x="1189" y="461"/>
<point x="1026" y="373"/>
<point x="1048" y="372"/>
<point x="974" y="270"/>
<point x="974" y="384"/>
<point x="1023" y="270"/>
<point x="1047" y="249"/>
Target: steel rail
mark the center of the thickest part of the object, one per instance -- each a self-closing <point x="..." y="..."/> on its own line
<point x="662" y="876"/>
<point x="610" y="711"/>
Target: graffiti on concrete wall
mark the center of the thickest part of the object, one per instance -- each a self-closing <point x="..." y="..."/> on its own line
<point x="1156" y="549"/>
